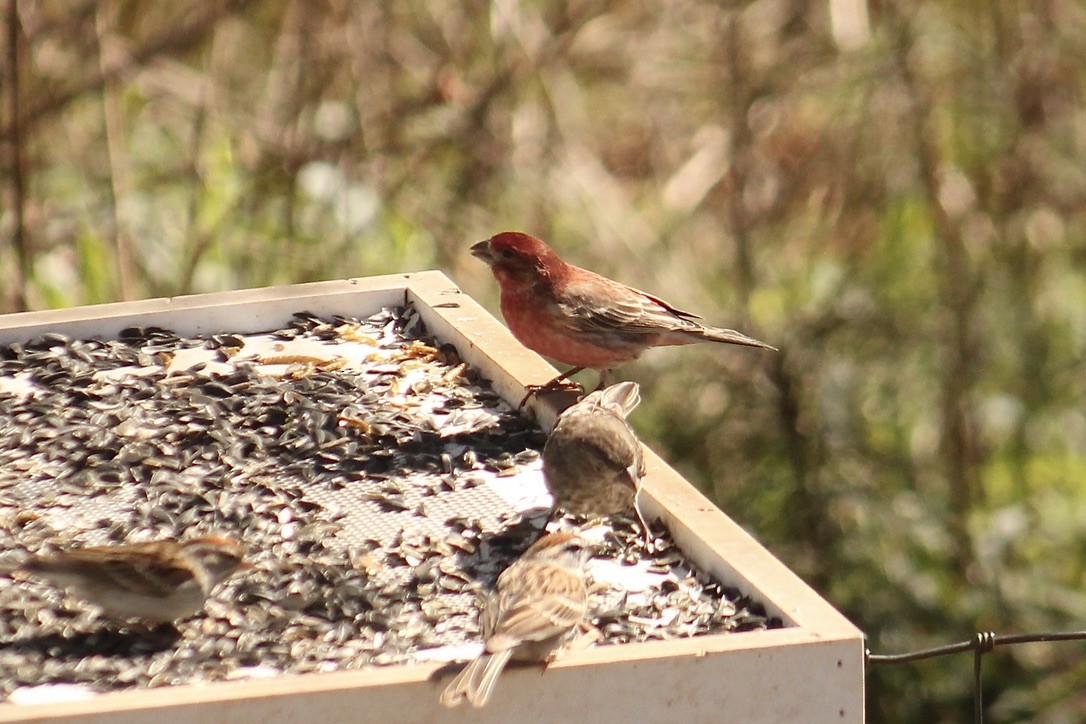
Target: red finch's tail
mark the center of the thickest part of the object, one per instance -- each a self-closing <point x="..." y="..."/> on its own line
<point x="727" y="336"/>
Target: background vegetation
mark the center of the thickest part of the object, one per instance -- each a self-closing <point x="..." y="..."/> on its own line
<point x="892" y="192"/>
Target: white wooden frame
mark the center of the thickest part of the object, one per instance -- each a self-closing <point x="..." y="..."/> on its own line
<point x="810" y="671"/>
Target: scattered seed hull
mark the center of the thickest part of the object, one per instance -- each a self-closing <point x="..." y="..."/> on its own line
<point x="378" y="483"/>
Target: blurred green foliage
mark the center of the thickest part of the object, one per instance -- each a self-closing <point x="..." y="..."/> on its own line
<point x="891" y="192"/>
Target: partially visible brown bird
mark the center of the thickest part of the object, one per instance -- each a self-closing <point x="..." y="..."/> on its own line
<point x="536" y="604"/>
<point x="593" y="462"/>
<point x="580" y="318"/>
<point x="159" y="582"/>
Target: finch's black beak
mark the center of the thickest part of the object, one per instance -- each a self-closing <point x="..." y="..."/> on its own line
<point x="481" y="251"/>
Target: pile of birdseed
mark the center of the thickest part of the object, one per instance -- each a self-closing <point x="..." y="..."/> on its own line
<point x="378" y="483"/>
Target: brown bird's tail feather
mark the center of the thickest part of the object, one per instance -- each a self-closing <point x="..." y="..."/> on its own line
<point x="622" y="398"/>
<point x="727" y="336"/>
<point x="476" y="682"/>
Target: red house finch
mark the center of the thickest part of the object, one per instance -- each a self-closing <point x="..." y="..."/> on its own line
<point x="592" y="462"/>
<point x="159" y="581"/>
<point x="537" y="602"/>
<point x="581" y="318"/>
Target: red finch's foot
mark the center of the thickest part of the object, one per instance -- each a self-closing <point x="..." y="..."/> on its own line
<point x="561" y="383"/>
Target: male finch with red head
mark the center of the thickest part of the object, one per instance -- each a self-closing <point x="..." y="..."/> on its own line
<point x="580" y="318"/>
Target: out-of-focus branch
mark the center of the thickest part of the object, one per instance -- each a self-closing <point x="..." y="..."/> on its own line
<point x="738" y="165"/>
<point x="197" y="241"/>
<point x="284" y="97"/>
<point x="957" y="294"/>
<point x="806" y="502"/>
<point x="16" y="141"/>
<point x="186" y="33"/>
<point x="113" y="116"/>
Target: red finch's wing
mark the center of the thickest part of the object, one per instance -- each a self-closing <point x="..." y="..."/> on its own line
<point x="673" y="310"/>
<point x="602" y="305"/>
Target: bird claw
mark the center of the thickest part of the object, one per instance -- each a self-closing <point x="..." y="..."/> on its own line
<point x="586" y="635"/>
<point x="558" y="384"/>
<point x="583" y="636"/>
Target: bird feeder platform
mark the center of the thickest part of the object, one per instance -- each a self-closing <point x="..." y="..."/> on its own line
<point x="361" y="437"/>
